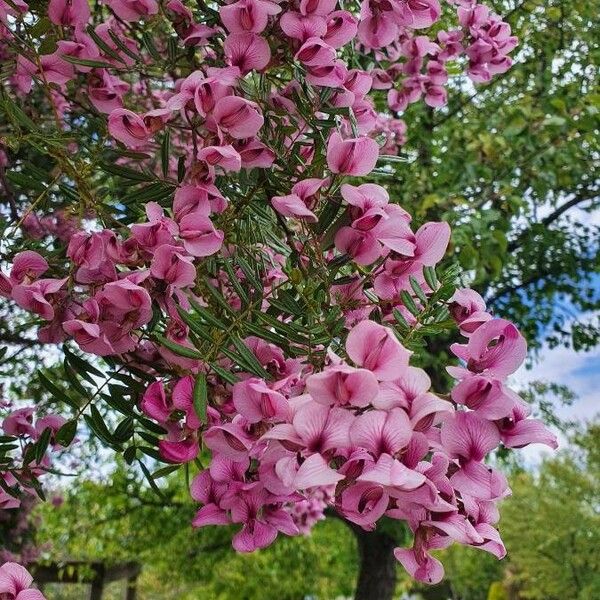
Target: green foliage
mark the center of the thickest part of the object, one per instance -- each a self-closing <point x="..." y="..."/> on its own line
<point x="181" y="563"/>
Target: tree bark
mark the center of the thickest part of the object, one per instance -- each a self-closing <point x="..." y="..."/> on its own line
<point x="377" y="568"/>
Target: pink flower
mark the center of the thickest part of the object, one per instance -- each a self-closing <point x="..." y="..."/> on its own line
<point x="375" y="348"/>
<point x="206" y="490"/>
<point x="20" y="422"/>
<point x="27" y="265"/>
<point x="381" y="432"/>
<point x="128" y="128"/>
<point x="69" y="12"/>
<point x="125" y="303"/>
<point x="341" y="28"/>
<point x="38" y="297"/>
<point x="315" y="52"/>
<point x="238" y="117"/>
<point x="257" y="402"/>
<point x="517" y="431"/>
<point x="315" y="427"/>
<point x="200" y="238"/>
<point x="226" y="157"/>
<point x="261" y="522"/>
<point x="89" y="337"/>
<point x="172" y="265"/>
<point x="86" y="249"/>
<point x="15" y="583"/>
<point x="247" y="15"/>
<point x="304" y="195"/>
<point x="343" y="385"/>
<point x="418" y="562"/>
<point x="179" y="451"/>
<point x="364" y="504"/>
<point x="468" y="436"/>
<point x="353" y="156"/>
<point x="417" y="14"/>
<point x="202" y="199"/>
<point x="132" y="10"/>
<point x="302" y="27"/>
<point x="377" y="29"/>
<point x="495" y="347"/>
<point x="468" y="310"/>
<point x="247" y="51"/>
<point x="488" y="397"/>
<point x="230" y="439"/>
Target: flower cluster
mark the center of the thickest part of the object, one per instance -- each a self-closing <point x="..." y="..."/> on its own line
<point x="366" y="435"/>
<point x="22" y="425"/>
<point x="109" y="295"/>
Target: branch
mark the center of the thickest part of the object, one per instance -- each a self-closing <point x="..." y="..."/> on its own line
<point x="9" y="338"/>
<point x="553" y="216"/>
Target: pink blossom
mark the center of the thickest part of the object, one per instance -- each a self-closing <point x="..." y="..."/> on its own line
<point x="467" y="435"/>
<point x="353" y="156"/>
<point x="257" y="402"/>
<point x="247" y="15"/>
<point x="237" y="117"/>
<point x="69" y="12"/>
<point x="174" y="266"/>
<point x="517" y="431"/>
<point x="27" y="267"/>
<point x="128" y="128"/>
<point x="381" y="432"/>
<point x="200" y="238"/>
<point x="247" y="51"/>
<point x="375" y="348"/>
<point x="496" y="347"/>
<point x="15" y="583"/>
<point x="132" y="10"/>
<point x="343" y="385"/>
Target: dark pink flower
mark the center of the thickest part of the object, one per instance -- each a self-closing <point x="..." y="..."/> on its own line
<point x="128" y="128"/>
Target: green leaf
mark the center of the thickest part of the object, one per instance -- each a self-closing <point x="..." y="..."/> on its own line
<point x="226" y="375"/>
<point x="123" y="47"/>
<point x="201" y="397"/>
<point x="86" y="62"/>
<point x="66" y="434"/>
<point x="409" y="303"/>
<point x="400" y="319"/>
<point x="98" y="426"/>
<point x="148" y="41"/>
<point x="125" y="172"/>
<point x="207" y="316"/>
<point x="180" y="169"/>
<point x="164" y="471"/>
<point x="58" y="394"/>
<point x="419" y="293"/>
<point x="164" y="153"/>
<point x="103" y="45"/>
<point x="178" y="348"/>
<point x="151" y="481"/>
<point x="124" y="430"/>
<point x="430" y="277"/>
<point x="42" y="445"/>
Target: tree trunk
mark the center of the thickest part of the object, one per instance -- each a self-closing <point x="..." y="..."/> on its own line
<point x="377" y="570"/>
